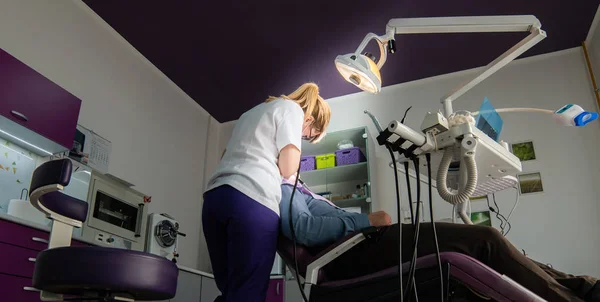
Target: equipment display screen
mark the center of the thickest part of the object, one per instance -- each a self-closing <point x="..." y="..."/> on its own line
<point x="115" y="212"/>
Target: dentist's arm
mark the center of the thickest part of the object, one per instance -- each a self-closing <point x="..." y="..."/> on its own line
<point x="289" y="160"/>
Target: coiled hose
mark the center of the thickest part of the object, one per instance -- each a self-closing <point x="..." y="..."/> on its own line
<point x="463" y="194"/>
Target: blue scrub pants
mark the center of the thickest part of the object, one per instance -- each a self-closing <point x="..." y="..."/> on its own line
<point x="241" y="235"/>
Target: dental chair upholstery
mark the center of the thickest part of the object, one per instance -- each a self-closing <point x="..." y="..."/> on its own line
<point x="458" y="270"/>
<point x="97" y="272"/>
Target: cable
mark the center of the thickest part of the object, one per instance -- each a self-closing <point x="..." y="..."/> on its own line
<point x="435" y="238"/>
<point x="399" y="221"/>
<point x="503" y="221"/>
<point x="515" y="205"/>
<point x="498" y="213"/>
<point x="294" y="237"/>
<point x="412" y="216"/>
<point x="404" y="117"/>
<point x="413" y="260"/>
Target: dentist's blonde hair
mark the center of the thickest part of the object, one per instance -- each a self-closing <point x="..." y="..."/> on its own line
<point x="307" y="96"/>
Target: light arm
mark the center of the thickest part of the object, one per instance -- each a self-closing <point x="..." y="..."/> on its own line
<point x="463" y="24"/>
<point x="381" y="40"/>
<point x="356" y="69"/>
<point x="536" y="36"/>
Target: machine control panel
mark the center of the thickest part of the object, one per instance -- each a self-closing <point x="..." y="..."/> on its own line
<point x="106" y="239"/>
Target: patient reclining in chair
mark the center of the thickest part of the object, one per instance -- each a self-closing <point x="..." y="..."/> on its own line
<point x="319" y="223"/>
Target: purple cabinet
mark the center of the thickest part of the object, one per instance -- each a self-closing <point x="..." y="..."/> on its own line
<point x="17" y="261"/>
<point x="276" y="292"/>
<point x="13" y="288"/>
<point x="33" y="101"/>
<point x="22" y="236"/>
<point x="19" y="245"/>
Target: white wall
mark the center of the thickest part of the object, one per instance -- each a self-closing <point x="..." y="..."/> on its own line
<point x="158" y="133"/>
<point x="558" y="226"/>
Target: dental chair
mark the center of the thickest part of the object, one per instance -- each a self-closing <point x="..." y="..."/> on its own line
<point x="465" y="279"/>
<point x="63" y="272"/>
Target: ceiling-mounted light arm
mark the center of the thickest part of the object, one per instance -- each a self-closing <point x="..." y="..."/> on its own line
<point x="442" y="25"/>
<point x="361" y="71"/>
<point x="533" y="38"/>
<point x="381" y="41"/>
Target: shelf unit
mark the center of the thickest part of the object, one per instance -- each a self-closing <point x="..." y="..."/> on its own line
<point x="341" y="180"/>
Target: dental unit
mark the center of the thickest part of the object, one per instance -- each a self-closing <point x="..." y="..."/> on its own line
<point x="451" y="136"/>
<point x="448" y="140"/>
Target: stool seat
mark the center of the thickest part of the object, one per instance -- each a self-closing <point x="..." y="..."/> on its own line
<point x="80" y="270"/>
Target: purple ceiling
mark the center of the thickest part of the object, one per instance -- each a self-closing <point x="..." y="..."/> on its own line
<point x="230" y="55"/>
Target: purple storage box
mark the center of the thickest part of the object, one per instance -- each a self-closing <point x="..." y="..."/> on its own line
<point x="349" y="156"/>
<point x="307" y="163"/>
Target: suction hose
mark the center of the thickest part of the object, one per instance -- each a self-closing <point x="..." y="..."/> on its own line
<point x="463" y="194"/>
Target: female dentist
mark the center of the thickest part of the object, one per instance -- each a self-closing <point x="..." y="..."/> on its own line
<point x="240" y="215"/>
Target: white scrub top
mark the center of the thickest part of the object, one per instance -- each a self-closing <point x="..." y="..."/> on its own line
<point x="250" y="163"/>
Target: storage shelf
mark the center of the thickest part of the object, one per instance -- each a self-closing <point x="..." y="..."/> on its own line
<point x="335" y="174"/>
<point x="330" y="141"/>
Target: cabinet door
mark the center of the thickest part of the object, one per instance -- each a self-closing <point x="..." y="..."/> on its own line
<point x="209" y="290"/>
<point x="292" y="292"/>
<point x="14" y="288"/>
<point x="188" y="287"/>
<point x="31" y="100"/>
<point x="276" y="292"/>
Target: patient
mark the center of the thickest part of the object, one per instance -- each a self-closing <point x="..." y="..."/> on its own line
<point x="319" y="223"/>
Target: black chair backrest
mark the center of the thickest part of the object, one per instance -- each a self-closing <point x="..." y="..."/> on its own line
<point x="50" y="173"/>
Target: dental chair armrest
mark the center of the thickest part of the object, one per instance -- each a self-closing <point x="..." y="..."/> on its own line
<point x="330" y="254"/>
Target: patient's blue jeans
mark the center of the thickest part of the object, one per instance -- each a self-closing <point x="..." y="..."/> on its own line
<point x="241" y="235"/>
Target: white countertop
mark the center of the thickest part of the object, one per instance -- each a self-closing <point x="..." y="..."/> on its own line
<point x="195" y="271"/>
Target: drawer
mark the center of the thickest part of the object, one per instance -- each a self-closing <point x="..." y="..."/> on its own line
<point x="12" y="288"/>
<point x="15" y="260"/>
<point x="23" y="236"/>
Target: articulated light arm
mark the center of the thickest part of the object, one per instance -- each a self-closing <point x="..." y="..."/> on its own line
<point x="364" y="73"/>
<point x="533" y="38"/>
<point x="381" y="42"/>
<point x="463" y="24"/>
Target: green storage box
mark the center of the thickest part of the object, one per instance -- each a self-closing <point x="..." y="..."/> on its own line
<point x="325" y="161"/>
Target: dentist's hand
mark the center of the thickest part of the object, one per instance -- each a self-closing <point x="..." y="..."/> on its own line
<point x="379" y="219"/>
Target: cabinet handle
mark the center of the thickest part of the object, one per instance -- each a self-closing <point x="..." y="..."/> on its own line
<point x="31" y="259"/>
<point x="277" y="289"/>
<point x="31" y="289"/>
<point x="40" y="240"/>
<point x="19" y="115"/>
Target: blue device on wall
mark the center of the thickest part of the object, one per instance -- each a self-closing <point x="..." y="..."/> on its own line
<point x="488" y="120"/>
